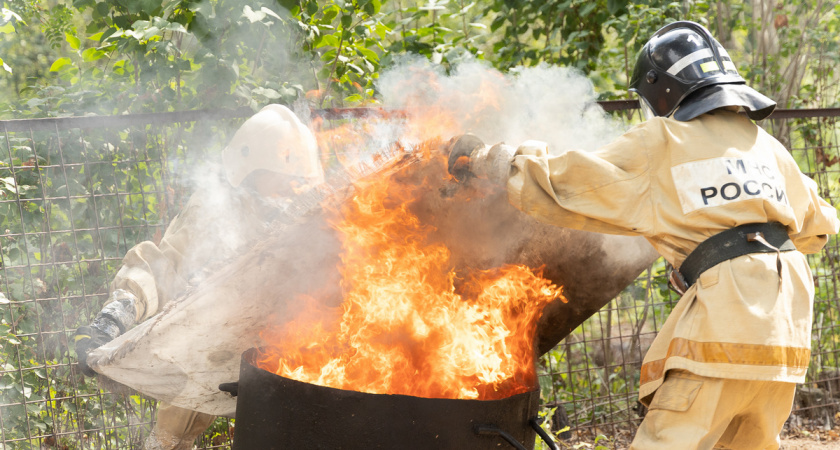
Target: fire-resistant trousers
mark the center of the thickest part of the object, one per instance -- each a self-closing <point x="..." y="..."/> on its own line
<point x="693" y="412"/>
<point x="176" y="428"/>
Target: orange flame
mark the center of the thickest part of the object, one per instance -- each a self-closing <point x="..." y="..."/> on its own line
<point x="409" y="324"/>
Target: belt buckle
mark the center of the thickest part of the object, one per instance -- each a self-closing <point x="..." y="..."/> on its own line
<point x="676" y="281"/>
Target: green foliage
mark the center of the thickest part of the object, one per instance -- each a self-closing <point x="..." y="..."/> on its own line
<point x="445" y="32"/>
<point x="114" y="56"/>
<point x="73" y="202"/>
<point x="347" y="39"/>
<point x="564" y="32"/>
<point x="8" y="24"/>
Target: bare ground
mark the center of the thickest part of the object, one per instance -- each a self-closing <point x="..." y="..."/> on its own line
<point x="806" y="444"/>
<point x="793" y="439"/>
<point x="820" y="439"/>
<point x="798" y="443"/>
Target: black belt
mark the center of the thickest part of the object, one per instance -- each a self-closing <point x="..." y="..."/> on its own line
<point x="742" y="240"/>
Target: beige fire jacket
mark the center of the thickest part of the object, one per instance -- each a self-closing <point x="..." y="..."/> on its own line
<point x="678" y="183"/>
<point x="217" y="222"/>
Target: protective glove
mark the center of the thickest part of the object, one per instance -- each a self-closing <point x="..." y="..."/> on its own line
<point x="469" y="156"/>
<point x="87" y="339"/>
<point x="118" y="315"/>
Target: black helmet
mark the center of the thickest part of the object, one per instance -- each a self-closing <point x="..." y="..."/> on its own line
<point x="683" y="68"/>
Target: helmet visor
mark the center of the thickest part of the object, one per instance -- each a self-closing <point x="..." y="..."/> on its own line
<point x="647" y="111"/>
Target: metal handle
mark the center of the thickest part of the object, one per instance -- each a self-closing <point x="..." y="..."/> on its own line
<point x="231" y="388"/>
<point x="485" y="430"/>
<point x="535" y="424"/>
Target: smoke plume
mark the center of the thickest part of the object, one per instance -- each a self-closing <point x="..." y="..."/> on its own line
<point x="551" y="104"/>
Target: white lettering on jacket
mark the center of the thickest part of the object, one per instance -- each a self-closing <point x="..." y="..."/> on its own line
<point x="718" y="181"/>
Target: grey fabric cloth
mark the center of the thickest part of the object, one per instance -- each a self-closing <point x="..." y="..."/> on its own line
<point x="120" y="312"/>
<point x="492" y="163"/>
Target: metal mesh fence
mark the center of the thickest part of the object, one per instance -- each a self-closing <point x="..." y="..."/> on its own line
<point x="77" y="193"/>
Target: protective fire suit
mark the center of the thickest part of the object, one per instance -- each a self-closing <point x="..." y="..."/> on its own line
<point x="217" y="222"/>
<point x="678" y="183"/>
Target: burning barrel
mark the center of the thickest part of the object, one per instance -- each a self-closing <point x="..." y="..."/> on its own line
<point x="274" y="412"/>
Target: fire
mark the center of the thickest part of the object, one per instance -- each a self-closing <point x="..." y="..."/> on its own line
<point x="409" y="323"/>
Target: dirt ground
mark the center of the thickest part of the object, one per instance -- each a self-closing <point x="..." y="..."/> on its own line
<point x="794" y="443"/>
<point x="806" y="443"/>
<point x="801" y="434"/>
<point x="819" y="439"/>
<point x="792" y="439"/>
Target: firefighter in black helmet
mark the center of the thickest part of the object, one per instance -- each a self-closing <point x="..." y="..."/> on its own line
<point x="683" y="71"/>
<point x="720" y="199"/>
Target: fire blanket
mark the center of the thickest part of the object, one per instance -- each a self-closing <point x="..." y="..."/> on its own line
<point x="676" y="184"/>
<point x="206" y="309"/>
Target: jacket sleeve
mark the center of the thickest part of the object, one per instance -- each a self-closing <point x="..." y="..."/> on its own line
<point x="606" y="191"/>
<point x="155" y="273"/>
<point x="815" y="218"/>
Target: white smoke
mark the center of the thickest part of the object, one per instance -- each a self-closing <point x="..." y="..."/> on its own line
<point x="551" y="104"/>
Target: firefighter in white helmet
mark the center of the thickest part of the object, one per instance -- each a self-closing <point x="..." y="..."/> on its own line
<point x="270" y="156"/>
<point x="720" y="199"/>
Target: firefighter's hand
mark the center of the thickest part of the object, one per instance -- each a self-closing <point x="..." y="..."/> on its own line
<point x="461" y="149"/>
<point x="87" y="339"/>
<point x="121" y="309"/>
<point x="468" y="156"/>
<point x="118" y="315"/>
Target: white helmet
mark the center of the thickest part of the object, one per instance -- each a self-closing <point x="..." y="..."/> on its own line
<point x="273" y="139"/>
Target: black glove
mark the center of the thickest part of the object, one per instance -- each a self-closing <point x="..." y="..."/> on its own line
<point x="87" y="339"/>
<point x="461" y="149"/>
<point x="116" y="317"/>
